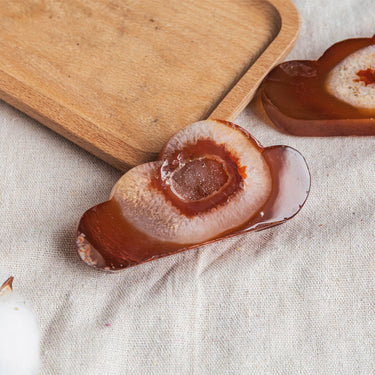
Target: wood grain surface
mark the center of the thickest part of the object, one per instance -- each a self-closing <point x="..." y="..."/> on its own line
<point x="119" y="77"/>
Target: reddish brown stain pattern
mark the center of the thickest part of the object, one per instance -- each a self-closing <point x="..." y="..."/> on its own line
<point x="241" y="169"/>
<point x="367" y="76"/>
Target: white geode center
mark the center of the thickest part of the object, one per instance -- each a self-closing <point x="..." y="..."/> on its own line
<point x="345" y="84"/>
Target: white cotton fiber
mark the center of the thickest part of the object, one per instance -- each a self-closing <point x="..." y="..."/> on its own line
<point x="19" y="336"/>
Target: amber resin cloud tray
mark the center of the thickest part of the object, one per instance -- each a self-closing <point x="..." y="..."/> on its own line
<point x="121" y="77"/>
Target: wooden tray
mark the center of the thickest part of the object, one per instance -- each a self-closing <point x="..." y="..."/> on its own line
<point x="119" y="77"/>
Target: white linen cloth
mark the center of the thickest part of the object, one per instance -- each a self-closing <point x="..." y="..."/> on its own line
<point x="296" y="299"/>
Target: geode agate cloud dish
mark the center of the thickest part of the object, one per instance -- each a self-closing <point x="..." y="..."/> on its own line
<point x="334" y="95"/>
<point x="212" y="180"/>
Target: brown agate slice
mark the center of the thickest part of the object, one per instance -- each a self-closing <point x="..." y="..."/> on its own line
<point x="212" y="180"/>
<point x="334" y="95"/>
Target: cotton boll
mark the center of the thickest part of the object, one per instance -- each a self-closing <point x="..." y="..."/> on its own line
<point x="19" y="335"/>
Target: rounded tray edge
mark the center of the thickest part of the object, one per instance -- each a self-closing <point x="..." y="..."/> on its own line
<point x="244" y="90"/>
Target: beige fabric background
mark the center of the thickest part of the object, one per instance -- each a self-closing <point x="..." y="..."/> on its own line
<point x="296" y="299"/>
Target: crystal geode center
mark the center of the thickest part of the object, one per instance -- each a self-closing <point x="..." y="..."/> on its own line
<point x="353" y="79"/>
<point x="210" y="173"/>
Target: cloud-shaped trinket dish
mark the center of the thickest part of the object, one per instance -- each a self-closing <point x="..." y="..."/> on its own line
<point x="212" y="180"/>
<point x="334" y="95"/>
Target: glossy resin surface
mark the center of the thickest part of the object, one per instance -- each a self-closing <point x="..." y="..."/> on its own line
<point x="334" y="95"/>
<point x="212" y="180"/>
